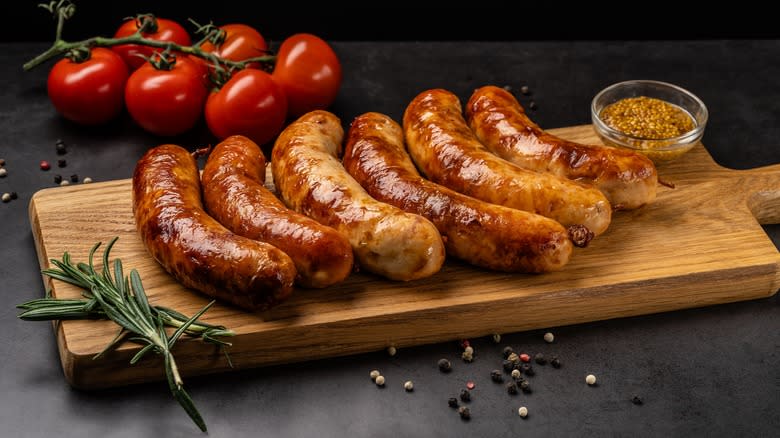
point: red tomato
(240, 42)
(309, 72)
(88, 92)
(167, 30)
(250, 104)
(166, 102)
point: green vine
(65, 9)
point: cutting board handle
(763, 186)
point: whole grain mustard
(647, 118)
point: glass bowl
(658, 150)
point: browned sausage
(484, 234)
(234, 194)
(447, 152)
(311, 180)
(192, 246)
(627, 178)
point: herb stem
(123, 300)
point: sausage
(311, 180)
(483, 234)
(627, 178)
(234, 194)
(192, 246)
(447, 152)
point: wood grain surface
(699, 244)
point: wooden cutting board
(699, 244)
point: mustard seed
(516, 374)
(3, 172)
(409, 386)
(373, 374)
(647, 118)
(87, 180)
(549, 337)
(380, 380)
(391, 350)
(64, 182)
(6, 197)
(590, 379)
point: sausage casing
(192, 246)
(447, 152)
(311, 180)
(483, 234)
(627, 178)
(234, 194)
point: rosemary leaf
(123, 300)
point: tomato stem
(65, 9)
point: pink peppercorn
(45, 165)
(525, 358)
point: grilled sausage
(447, 152)
(192, 246)
(312, 181)
(483, 234)
(234, 194)
(627, 178)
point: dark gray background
(711, 371)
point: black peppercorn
(525, 386)
(445, 366)
(507, 352)
(496, 376)
(637, 400)
(62, 163)
(57, 179)
(508, 365)
(465, 395)
(74, 178)
(464, 413)
(527, 369)
(540, 359)
(555, 362)
(452, 402)
(533, 105)
(61, 149)
(511, 388)
(14, 195)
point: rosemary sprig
(123, 300)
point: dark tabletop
(709, 371)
